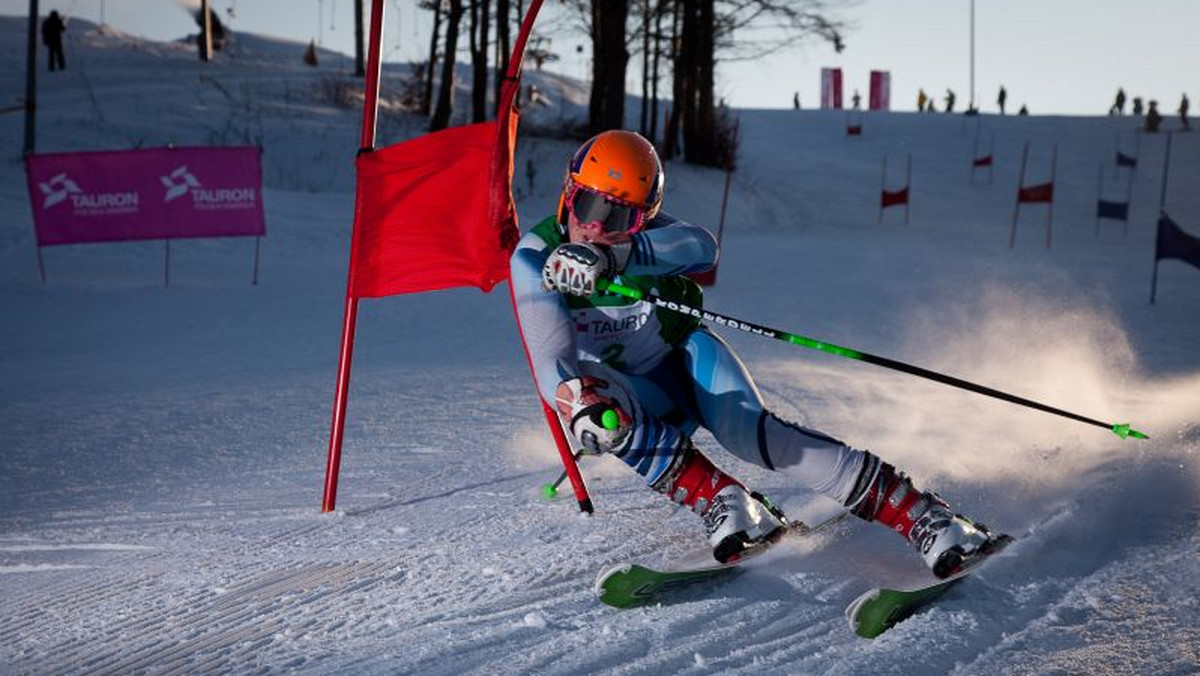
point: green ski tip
(549, 491)
(1125, 431)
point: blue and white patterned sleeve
(546, 323)
(669, 246)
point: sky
(1055, 56)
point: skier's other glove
(575, 268)
(592, 409)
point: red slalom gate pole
(350, 314)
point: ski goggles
(613, 215)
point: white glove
(575, 268)
(596, 417)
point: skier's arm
(669, 246)
(546, 324)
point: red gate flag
(1118, 211)
(436, 212)
(893, 198)
(881, 90)
(1173, 242)
(831, 88)
(1037, 193)
(985, 161)
(154, 193)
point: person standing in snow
(1183, 112)
(52, 36)
(1001, 99)
(950, 98)
(1153, 117)
(636, 381)
(1118, 106)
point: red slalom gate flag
(1173, 242)
(985, 161)
(1037, 193)
(893, 198)
(436, 212)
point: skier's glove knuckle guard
(575, 268)
(584, 403)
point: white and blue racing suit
(678, 374)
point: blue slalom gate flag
(1124, 160)
(1118, 211)
(1173, 242)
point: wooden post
(205, 32)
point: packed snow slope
(162, 447)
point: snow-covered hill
(163, 447)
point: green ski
(631, 584)
(878, 610)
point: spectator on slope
(52, 36)
(1118, 106)
(1001, 99)
(950, 100)
(1153, 118)
(637, 381)
(1183, 113)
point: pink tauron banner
(159, 193)
(881, 90)
(831, 88)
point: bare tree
(445, 102)
(502, 44)
(480, 14)
(427, 96)
(661, 7)
(739, 29)
(606, 108)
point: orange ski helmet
(619, 164)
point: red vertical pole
(560, 438)
(350, 314)
(1012, 238)
(882, 187)
(1050, 207)
(908, 188)
(254, 279)
(709, 277)
(992, 165)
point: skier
(636, 381)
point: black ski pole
(1122, 430)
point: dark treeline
(680, 39)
